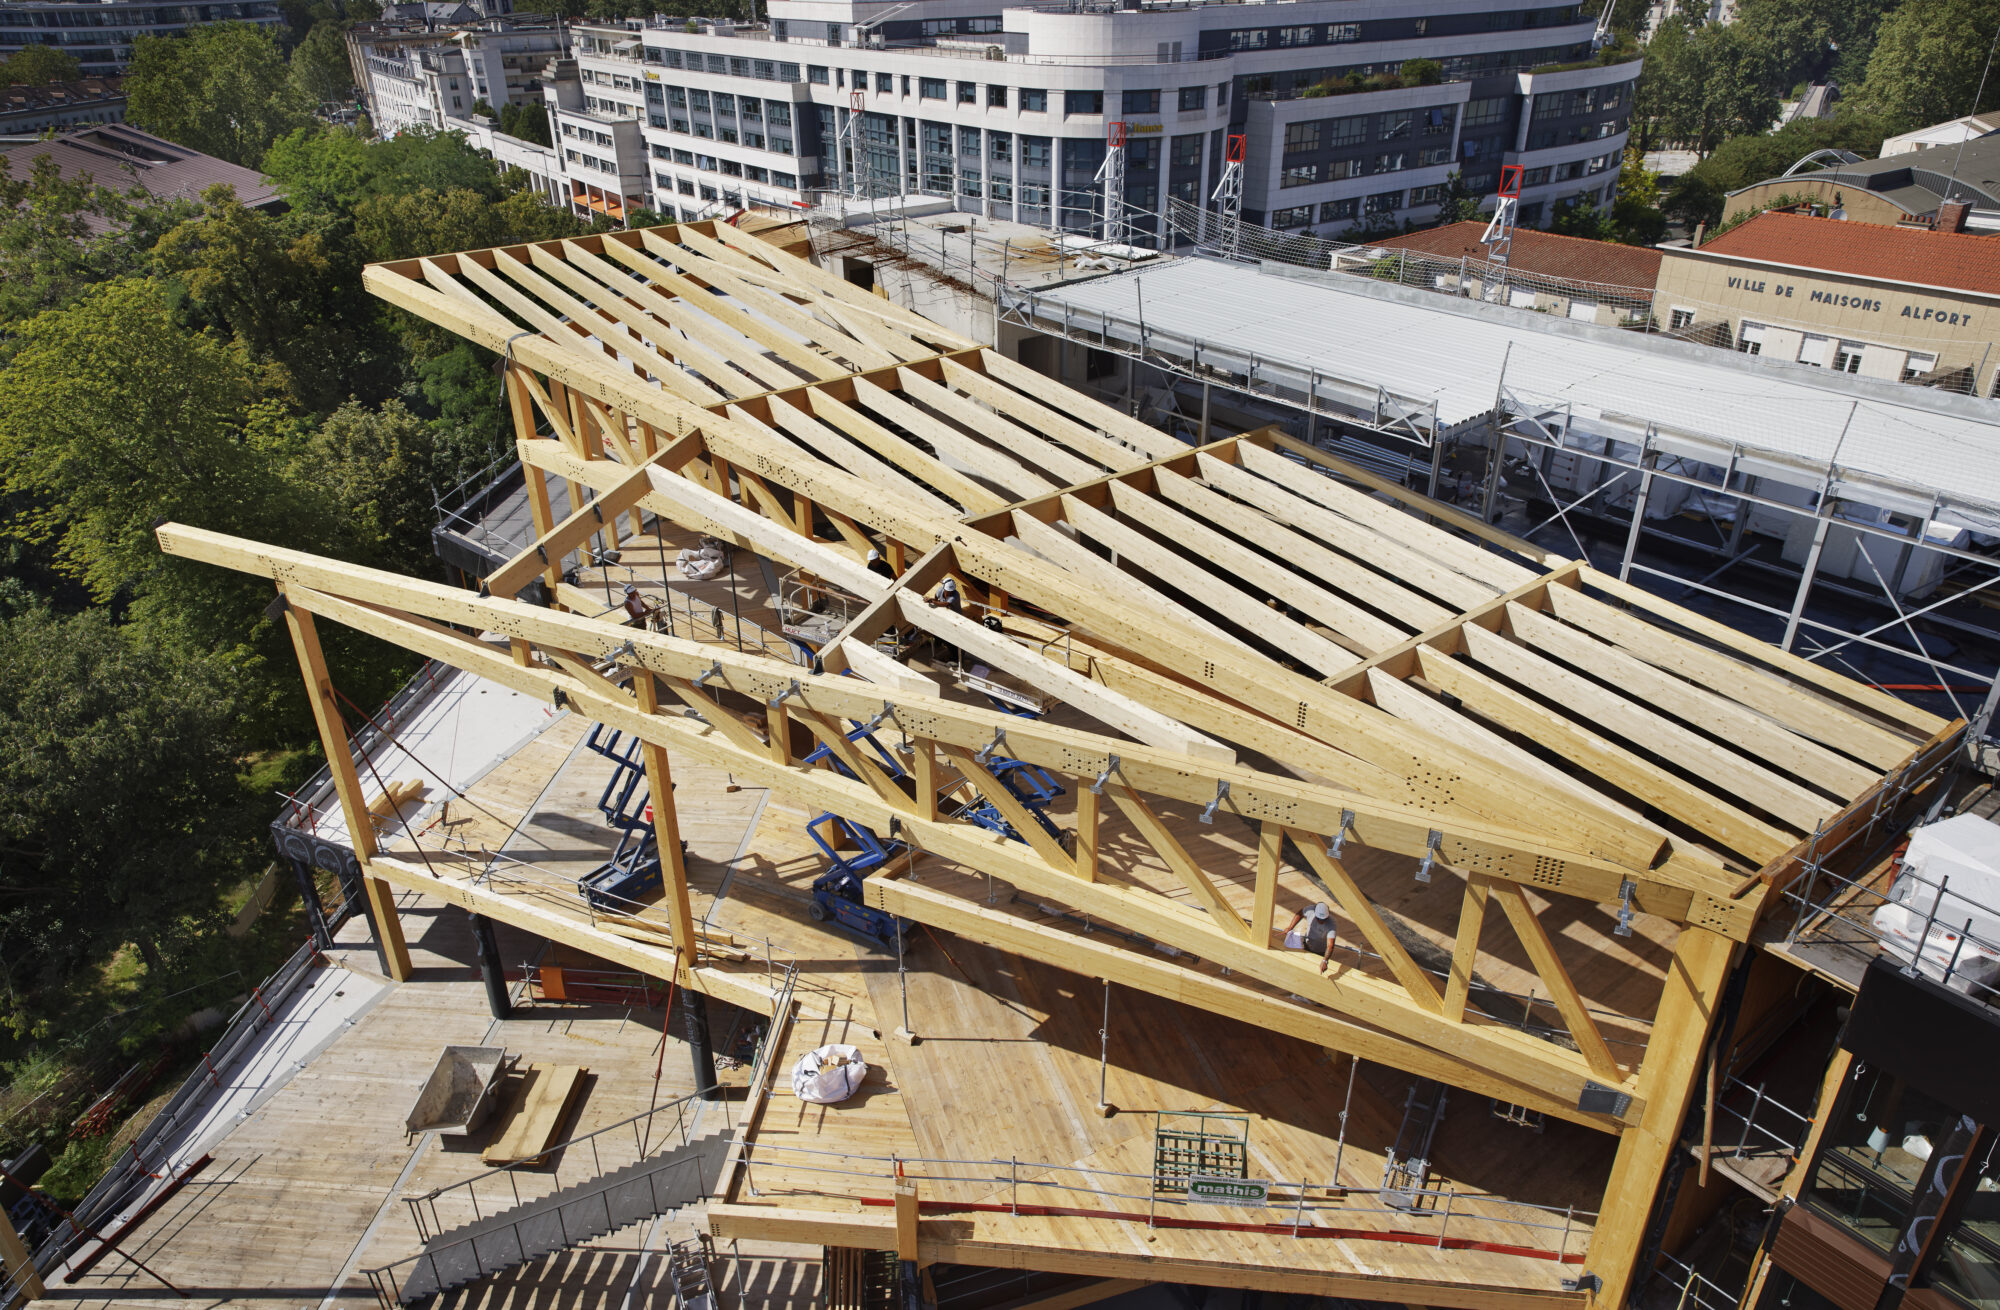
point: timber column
(381, 898)
(694, 1018)
(1674, 1056)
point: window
(833, 33)
(1301, 138)
(1435, 155)
(685, 158)
(729, 136)
(1436, 121)
(1296, 36)
(788, 72)
(1846, 357)
(1221, 94)
(1297, 216)
(930, 88)
(1034, 195)
(1535, 177)
(968, 182)
(1483, 113)
(1257, 84)
(661, 152)
(1142, 102)
(996, 97)
(709, 192)
(1194, 99)
(1250, 38)
(1681, 318)
(781, 144)
(684, 186)
(1392, 162)
(569, 129)
(732, 168)
(1299, 175)
(1082, 102)
(755, 140)
(706, 163)
(885, 83)
(725, 103)
(699, 99)
(755, 174)
(1001, 190)
(968, 93)
(968, 141)
(1426, 195)
(1423, 25)
(1393, 127)
(1917, 365)
(1750, 338)
(1184, 190)
(1347, 131)
(706, 131)
(818, 74)
(1002, 144)
(1340, 33)
(1143, 197)
(655, 94)
(1342, 168)
(787, 180)
(750, 108)
(677, 97)
(1186, 151)
(1034, 152)
(1383, 202)
(778, 113)
(1034, 101)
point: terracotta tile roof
(1962, 260)
(1573, 259)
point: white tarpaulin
(831, 1073)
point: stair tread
(542, 1226)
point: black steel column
(309, 897)
(694, 1020)
(490, 970)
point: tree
(527, 123)
(289, 289)
(320, 69)
(1422, 72)
(1743, 160)
(1636, 218)
(379, 465)
(37, 64)
(223, 89)
(425, 222)
(50, 249)
(1702, 83)
(117, 799)
(1582, 218)
(1928, 61)
(1456, 203)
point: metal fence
(143, 1163)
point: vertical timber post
(667, 832)
(1674, 1055)
(491, 972)
(22, 1276)
(380, 897)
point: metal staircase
(639, 1191)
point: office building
(101, 35)
(421, 76)
(1009, 112)
(30, 110)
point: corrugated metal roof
(1704, 402)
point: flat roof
(1703, 402)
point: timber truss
(1249, 635)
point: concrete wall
(1861, 206)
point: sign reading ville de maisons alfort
(1841, 300)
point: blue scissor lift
(853, 851)
(633, 871)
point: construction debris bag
(829, 1074)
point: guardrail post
(1756, 1104)
(1444, 1221)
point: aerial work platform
(1547, 809)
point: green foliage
(320, 70)
(223, 89)
(1702, 84)
(1422, 72)
(116, 783)
(427, 222)
(49, 249)
(1743, 160)
(527, 123)
(1928, 60)
(1456, 204)
(37, 64)
(1581, 218)
(380, 465)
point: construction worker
(947, 595)
(1311, 929)
(636, 607)
(876, 564)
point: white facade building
(419, 78)
(1007, 111)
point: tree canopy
(224, 89)
(1928, 61)
(38, 64)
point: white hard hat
(631, 590)
(874, 555)
(950, 584)
(1319, 911)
